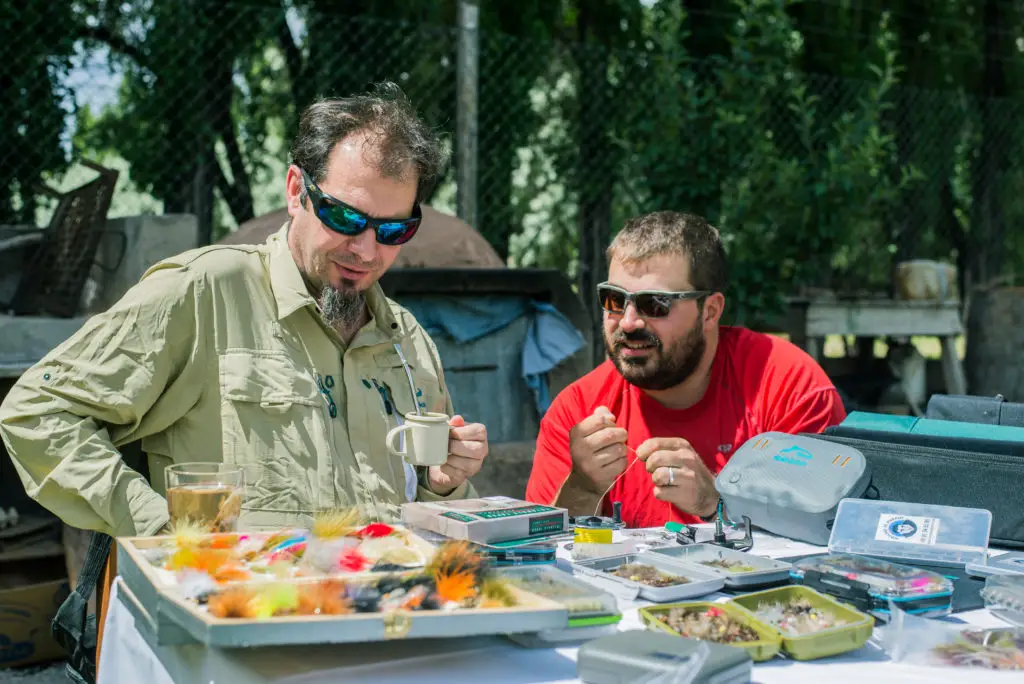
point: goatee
(341, 309)
(663, 368)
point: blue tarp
(550, 338)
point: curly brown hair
(400, 137)
(674, 232)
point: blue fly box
(869, 584)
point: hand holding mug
(467, 449)
(452, 450)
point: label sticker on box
(907, 529)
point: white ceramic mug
(427, 443)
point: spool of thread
(592, 535)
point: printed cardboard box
(33, 584)
(490, 519)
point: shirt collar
(286, 280)
(291, 293)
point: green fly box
(811, 625)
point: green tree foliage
(827, 139)
(737, 135)
(34, 91)
(805, 191)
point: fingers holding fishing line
(679, 475)
(672, 476)
(598, 449)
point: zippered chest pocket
(425, 390)
(390, 400)
(273, 426)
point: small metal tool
(601, 521)
(683, 533)
(744, 543)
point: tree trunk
(594, 177)
(995, 337)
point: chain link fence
(816, 181)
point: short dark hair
(673, 232)
(401, 137)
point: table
(810, 321)
(130, 655)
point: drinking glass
(207, 494)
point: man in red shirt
(654, 424)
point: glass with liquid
(207, 494)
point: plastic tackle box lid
(911, 532)
(1004, 597)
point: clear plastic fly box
(869, 584)
(910, 532)
(738, 569)
(648, 576)
(587, 604)
(1004, 598)
(593, 612)
(1010, 563)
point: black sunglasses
(348, 220)
(648, 303)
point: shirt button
(46, 376)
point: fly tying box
(1011, 563)
(1004, 598)
(869, 584)
(718, 623)
(587, 604)
(486, 520)
(634, 656)
(592, 612)
(911, 533)
(648, 576)
(737, 568)
(848, 630)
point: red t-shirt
(759, 383)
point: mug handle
(390, 439)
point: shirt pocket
(428, 393)
(273, 427)
(391, 377)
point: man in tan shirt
(284, 358)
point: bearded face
(340, 268)
(655, 350)
(651, 363)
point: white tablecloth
(130, 656)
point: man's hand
(598, 448)
(679, 475)
(467, 449)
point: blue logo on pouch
(794, 455)
(901, 527)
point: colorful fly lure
(458, 578)
(797, 617)
(710, 624)
(881, 576)
(646, 574)
(729, 566)
(991, 649)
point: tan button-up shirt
(220, 354)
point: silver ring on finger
(671, 475)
